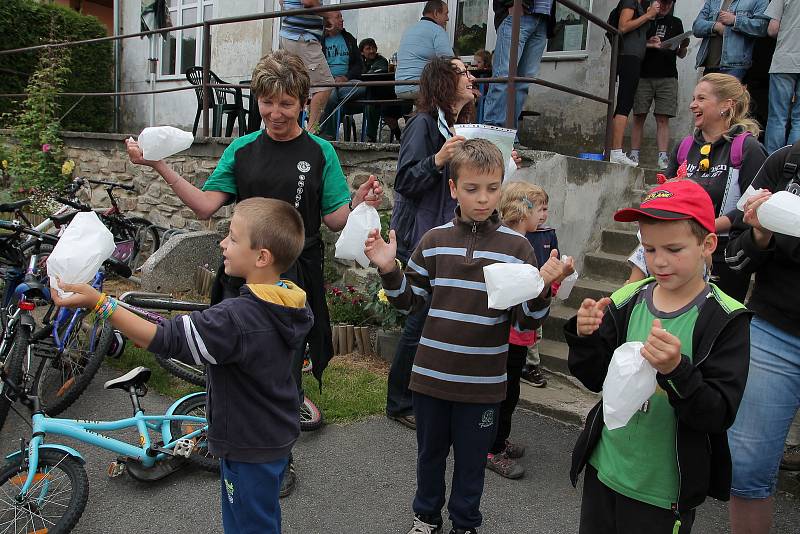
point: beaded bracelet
(100, 302)
(107, 308)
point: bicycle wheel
(55, 501)
(310, 416)
(13, 368)
(194, 374)
(146, 240)
(65, 376)
(195, 406)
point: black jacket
(778, 265)
(247, 344)
(355, 66)
(705, 392)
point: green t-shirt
(640, 460)
(304, 171)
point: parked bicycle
(45, 485)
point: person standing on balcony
(634, 21)
(729, 29)
(784, 75)
(344, 60)
(537, 16)
(303, 170)
(425, 40)
(302, 35)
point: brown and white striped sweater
(464, 346)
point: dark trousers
(250, 496)
(398, 396)
(516, 359)
(628, 70)
(469, 429)
(604, 511)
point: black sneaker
(533, 376)
(288, 482)
(424, 524)
(464, 531)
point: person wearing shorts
(302, 35)
(658, 82)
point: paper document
(675, 42)
(502, 138)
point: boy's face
(672, 253)
(239, 258)
(540, 214)
(476, 192)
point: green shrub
(27, 23)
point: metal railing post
(612, 90)
(206, 70)
(513, 59)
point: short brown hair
(518, 201)
(274, 225)
(479, 154)
(281, 72)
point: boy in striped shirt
(459, 374)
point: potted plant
(389, 320)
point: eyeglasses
(460, 72)
(705, 150)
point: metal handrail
(511, 80)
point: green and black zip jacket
(704, 391)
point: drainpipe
(117, 73)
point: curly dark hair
(438, 87)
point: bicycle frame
(89, 432)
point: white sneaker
(634, 157)
(620, 158)
(421, 527)
(663, 162)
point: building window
(470, 27)
(571, 30)
(183, 49)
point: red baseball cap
(673, 201)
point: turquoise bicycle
(44, 486)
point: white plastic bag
(509, 284)
(350, 245)
(781, 213)
(80, 251)
(159, 142)
(567, 283)
(630, 381)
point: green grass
(350, 393)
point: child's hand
(662, 349)
(379, 252)
(85, 296)
(136, 154)
(517, 159)
(555, 270)
(590, 315)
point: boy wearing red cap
(651, 474)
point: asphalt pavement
(357, 478)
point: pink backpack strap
(737, 149)
(683, 148)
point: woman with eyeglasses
(723, 156)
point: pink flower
(46, 147)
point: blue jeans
(736, 72)
(337, 95)
(782, 112)
(398, 396)
(250, 496)
(771, 399)
(532, 41)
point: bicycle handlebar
(72, 204)
(111, 184)
(16, 226)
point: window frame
(176, 17)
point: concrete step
(553, 327)
(605, 266)
(563, 399)
(587, 288)
(554, 355)
(616, 241)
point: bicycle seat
(14, 206)
(64, 218)
(135, 377)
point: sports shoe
(791, 459)
(406, 420)
(620, 158)
(514, 450)
(504, 466)
(663, 161)
(425, 525)
(533, 376)
(464, 531)
(288, 482)
(633, 156)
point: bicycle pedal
(116, 468)
(184, 447)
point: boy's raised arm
(407, 290)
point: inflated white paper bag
(509, 284)
(781, 213)
(749, 192)
(80, 251)
(350, 245)
(565, 289)
(159, 142)
(630, 381)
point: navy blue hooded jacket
(247, 345)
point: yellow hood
(290, 296)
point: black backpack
(791, 169)
(613, 20)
